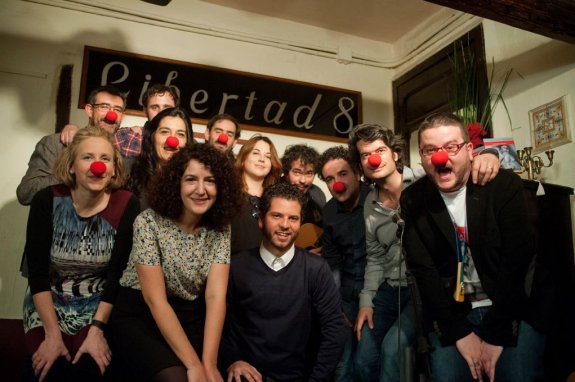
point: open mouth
(444, 172)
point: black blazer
(501, 245)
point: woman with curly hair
(167, 323)
(259, 166)
(78, 239)
(158, 145)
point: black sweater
(287, 324)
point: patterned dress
(79, 260)
(185, 258)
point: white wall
(547, 72)
(547, 69)
(36, 39)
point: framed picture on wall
(507, 152)
(549, 125)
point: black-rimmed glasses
(107, 107)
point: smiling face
(258, 163)
(223, 126)
(198, 189)
(280, 225)
(169, 127)
(103, 103)
(301, 175)
(339, 170)
(386, 167)
(91, 150)
(455, 173)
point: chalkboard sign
(259, 102)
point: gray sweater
(383, 247)
(39, 173)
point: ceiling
(388, 20)
(380, 20)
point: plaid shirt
(128, 142)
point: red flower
(476, 133)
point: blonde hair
(64, 162)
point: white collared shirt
(269, 258)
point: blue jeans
(521, 363)
(378, 355)
(356, 363)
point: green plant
(465, 93)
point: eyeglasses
(451, 149)
(108, 107)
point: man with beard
(284, 318)
(101, 101)
(128, 140)
(470, 247)
(222, 132)
(343, 247)
(379, 154)
(300, 164)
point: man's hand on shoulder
(242, 371)
(67, 134)
(484, 168)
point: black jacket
(501, 245)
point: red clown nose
(223, 138)
(374, 160)
(439, 158)
(339, 187)
(98, 168)
(172, 142)
(111, 117)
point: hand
(484, 168)
(67, 134)
(96, 345)
(137, 129)
(470, 348)
(49, 350)
(241, 369)
(212, 373)
(196, 373)
(365, 314)
(489, 357)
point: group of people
(151, 257)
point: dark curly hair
(281, 190)
(370, 132)
(306, 154)
(164, 195)
(148, 162)
(336, 152)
